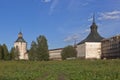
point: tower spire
(94, 18)
(93, 26)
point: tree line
(5, 54)
(37, 52)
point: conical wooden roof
(94, 35)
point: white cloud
(113, 13)
(87, 30)
(77, 4)
(71, 38)
(67, 39)
(90, 19)
(76, 36)
(110, 15)
(46, 1)
(53, 6)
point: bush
(68, 52)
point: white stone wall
(89, 50)
(55, 54)
(22, 46)
(81, 51)
(93, 50)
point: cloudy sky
(62, 21)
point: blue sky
(61, 21)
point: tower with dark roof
(94, 35)
(20, 38)
(21, 44)
(90, 47)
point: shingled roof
(94, 35)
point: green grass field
(60, 70)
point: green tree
(5, 52)
(32, 52)
(42, 48)
(16, 53)
(39, 49)
(1, 53)
(68, 52)
(12, 54)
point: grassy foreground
(60, 70)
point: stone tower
(90, 47)
(21, 44)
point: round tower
(21, 44)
